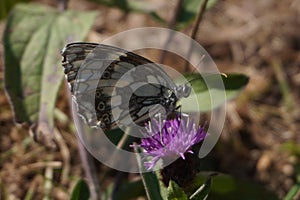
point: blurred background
(260, 142)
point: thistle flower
(170, 139)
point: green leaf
(155, 16)
(129, 5)
(175, 192)
(135, 187)
(189, 11)
(204, 189)
(107, 194)
(211, 90)
(291, 147)
(114, 135)
(163, 188)
(227, 188)
(151, 185)
(33, 38)
(80, 191)
(293, 192)
(7, 5)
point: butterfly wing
(113, 87)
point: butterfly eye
(182, 91)
(186, 90)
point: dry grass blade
(65, 153)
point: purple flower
(170, 139)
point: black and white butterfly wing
(114, 87)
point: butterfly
(113, 87)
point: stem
(89, 171)
(88, 165)
(171, 26)
(194, 32)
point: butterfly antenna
(189, 81)
(160, 128)
(150, 127)
(180, 111)
(187, 121)
(195, 68)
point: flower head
(170, 139)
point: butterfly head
(182, 90)
(174, 95)
(169, 100)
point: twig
(171, 26)
(48, 182)
(62, 5)
(33, 154)
(89, 171)
(39, 165)
(194, 33)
